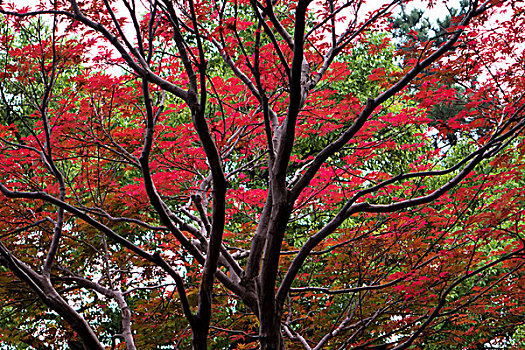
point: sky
(439, 10)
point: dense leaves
(243, 174)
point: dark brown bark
(259, 282)
(49, 296)
(199, 336)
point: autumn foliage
(238, 174)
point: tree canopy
(241, 174)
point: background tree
(259, 174)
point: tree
(245, 179)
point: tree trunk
(199, 338)
(270, 336)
